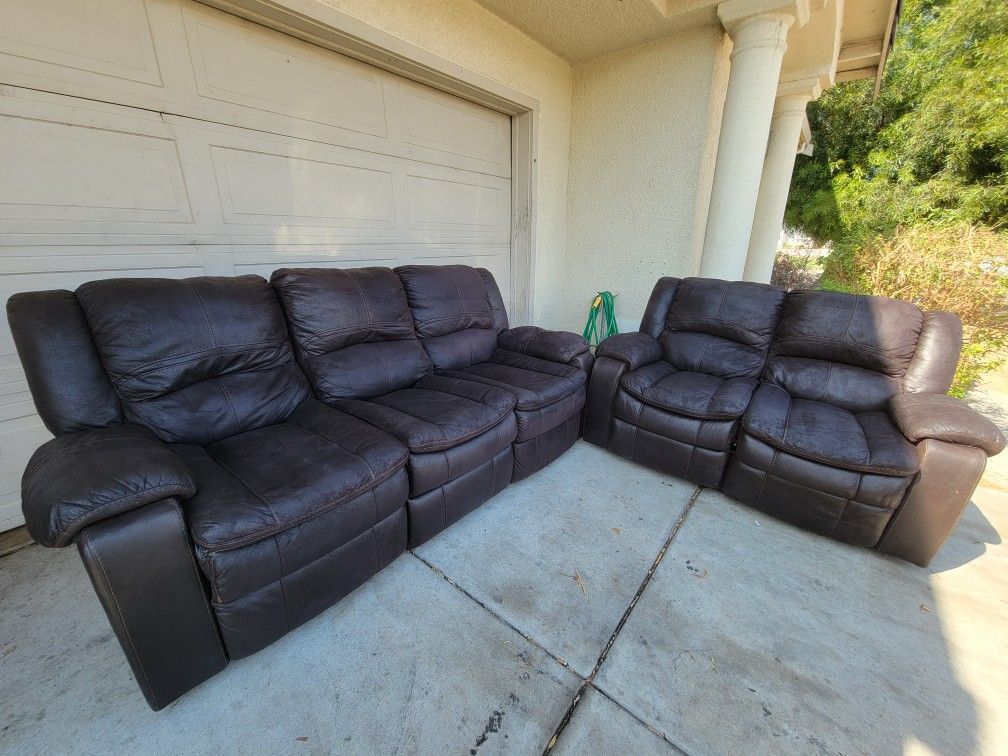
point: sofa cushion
(859, 441)
(848, 350)
(437, 413)
(352, 330)
(453, 314)
(256, 484)
(722, 328)
(698, 395)
(195, 360)
(446, 298)
(534, 382)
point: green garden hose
(604, 307)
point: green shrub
(954, 267)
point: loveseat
(825, 409)
(232, 456)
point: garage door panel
(270, 189)
(103, 38)
(85, 166)
(440, 128)
(451, 204)
(121, 51)
(55, 171)
(242, 63)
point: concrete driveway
(597, 605)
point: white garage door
(165, 138)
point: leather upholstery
(863, 441)
(841, 503)
(558, 346)
(290, 501)
(843, 349)
(700, 395)
(352, 330)
(195, 360)
(721, 327)
(435, 510)
(255, 620)
(66, 378)
(933, 365)
(437, 413)
(453, 315)
(605, 381)
(944, 418)
(141, 566)
(824, 409)
(634, 349)
(677, 405)
(80, 478)
(262, 482)
(656, 312)
(534, 382)
(450, 426)
(949, 473)
(493, 295)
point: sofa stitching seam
(256, 537)
(63, 531)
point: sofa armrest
(80, 478)
(944, 418)
(634, 349)
(555, 346)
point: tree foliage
(931, 149)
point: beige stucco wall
(643, 144)
(469, 35)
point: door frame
(315, 22)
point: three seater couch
(825, 409)
(232, 456)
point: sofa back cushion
(68, 383)
(722, 328)
(195, 360)
(453, 314)
(352, 329)
(848, 350)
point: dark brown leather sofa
(232, 455)
(827, 410)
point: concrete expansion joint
(590, 680)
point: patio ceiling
(845, 36)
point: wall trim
(322, 25)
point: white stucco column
(785, 131)
(758, 29)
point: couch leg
(949, 473)
(143, 569)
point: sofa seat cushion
(865, 442)
(256, 484)
(697, 395)
(436, 413)
(535, 382)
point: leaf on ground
(301, 739)
(616, 531)
(925, 608)
(578, 580)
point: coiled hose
(601, 322)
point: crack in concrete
(586, 682)
(589, 681)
